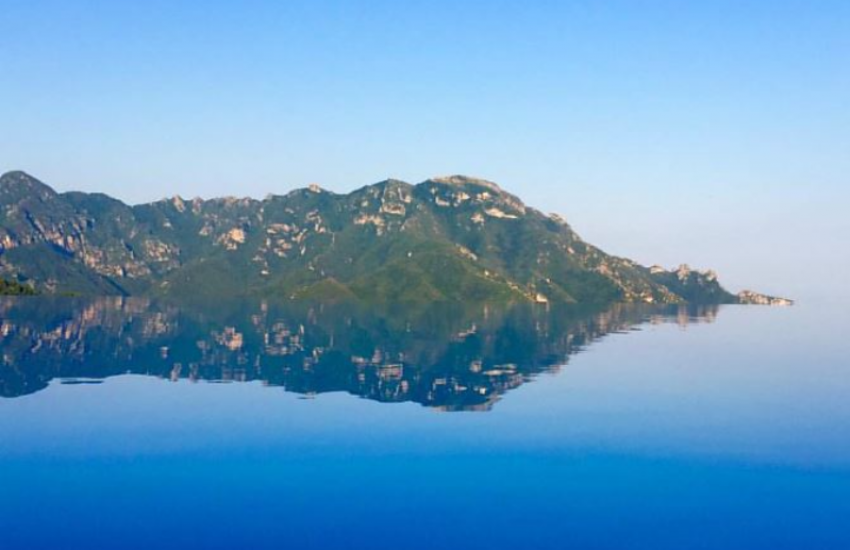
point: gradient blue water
(728, 434)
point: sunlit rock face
(451, 238)
(447, 356)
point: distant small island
(450, 238)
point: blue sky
(715, 133)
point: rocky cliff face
(453, 238)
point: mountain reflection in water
(448, 356)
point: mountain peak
(467, 180)
(393, 182)
(17, 185)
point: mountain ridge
(446, 238)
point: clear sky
(716, 133)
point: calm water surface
(132, 424)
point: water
(131, 424)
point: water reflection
(449, 356)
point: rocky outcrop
(754, 298)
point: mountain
(445, 239)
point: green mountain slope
(446, 239)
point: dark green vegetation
(446, 239)
(14, 288)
